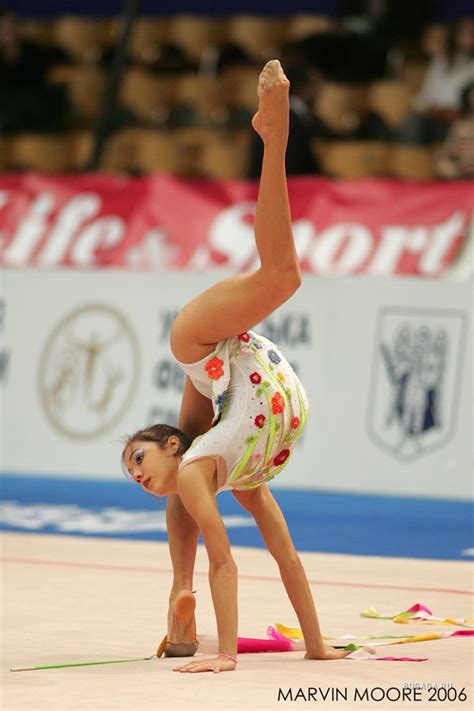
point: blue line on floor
(319, 521)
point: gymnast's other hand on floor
(327, 653)
(216, 665)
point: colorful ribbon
(418, 614)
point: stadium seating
(146, 37)
(336, 101)
(5, 153)
(83, 38)
(354, 159)
(48, 154)
(195, 33)
(86, 89)
(38, 31)
(211, 103)
(300, 26)
(391, 99)
(260, 36)
(145, 94)
(412, 162)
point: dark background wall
(440, 10)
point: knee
(281, 283)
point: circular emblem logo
(88, 371)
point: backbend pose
(243, 409)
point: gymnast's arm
(194, 419)
(196, 489)
(196, 413)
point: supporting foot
(181, 640)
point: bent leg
(272, 525)
(183, 534)
(195, 418)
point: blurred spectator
(343, 55)
(392, 19)
(343, 114)
(28, 102)
(230, 65)
(437, 105)
(355, 125)
(161, 58)
(455, 159)
(300, 159)
(217, 59)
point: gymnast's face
(154, 467)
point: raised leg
(234, 305)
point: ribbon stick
(82, 664)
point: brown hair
(159, 434)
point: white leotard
(260, 410)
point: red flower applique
(278, 404)
(295, 423)
(213, 368)
(255, 378)
(260, 421)
(245, 337)
(281, 457)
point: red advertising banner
(341, 228)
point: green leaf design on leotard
(251, 444)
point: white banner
(84, 359)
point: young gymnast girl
(243, 409)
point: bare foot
(272, 118)
(328, 652)
(270, 74)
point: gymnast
(242, 412)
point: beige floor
(67, 599)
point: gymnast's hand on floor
(216, 665)
(328, 653)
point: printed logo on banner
(88, 371)
(416, 373)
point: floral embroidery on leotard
(254, 342)
(278, 404)
(214, 369)
(220, 399)
(281, 457)
(274, 357)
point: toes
(270, 75)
